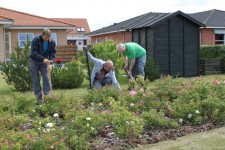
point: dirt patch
(107, 139)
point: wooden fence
(66, 52)
(211, 66)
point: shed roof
(150, 19)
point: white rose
(197, 112)
(180, 120)
(56, 115)
(131, 104)
(189, 116)
(49, 125)
(88, 118)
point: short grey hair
(120, 47)
(46, 31)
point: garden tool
(50, 81)
(130, 76)
(86, 48)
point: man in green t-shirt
(136, 55)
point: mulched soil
(107, 139)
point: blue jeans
(35, 69)
(98, 84)
(140, 66)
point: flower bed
(111, 119)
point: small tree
(16, 71)
(107, 50)
(151, 70)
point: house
(77, 35)
(171, 39)
(214, 32)
(116, 32)
(16, 26)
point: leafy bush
(101, 96)
(69, 76)
(16, 71)
(107, 51)
(151, 70)
(212, 51)
(126, 124)
(154, 119)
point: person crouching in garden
(41, 58)
(102, 73)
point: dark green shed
(173, 40)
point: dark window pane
(219, 42)
(219, 36)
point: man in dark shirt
(41, 58)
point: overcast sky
(102, 13)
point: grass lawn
(213, 139)
(209, 140)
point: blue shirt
(45, 47)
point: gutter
(106, 33)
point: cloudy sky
(102, 13)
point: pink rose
(133, 93)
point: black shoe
(129, 89)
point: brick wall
(1, 43)
(207, 37)
(61, 36)
(123, 37)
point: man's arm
(132, 62)
(126, 62)
(34, 51)
(92, 58)
(114, 81)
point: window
(82, 29)
(8, 50)
(23, 38)
(79, 29)
(54, 37)
(219, 39)
(96, 40)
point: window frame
(26, 33)
(56, 41)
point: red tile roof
(78, 22)
(3, 18)
(28, 20)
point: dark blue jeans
(36, 68)
(140, 66)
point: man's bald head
(108, 65)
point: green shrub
(125, 123)
(151, 70)
(212, 51)
(16, 71)
(107, 51)
(154, 119)
(69, 76)
(102, 96)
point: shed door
(176, 50)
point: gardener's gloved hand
(129, 73)
(46, 61)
